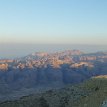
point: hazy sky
(53, 22)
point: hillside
(91, 93)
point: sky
(32, 22)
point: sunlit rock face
(82, 64)
(4, 67)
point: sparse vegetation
(91, 93)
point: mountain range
(41, 71)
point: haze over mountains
(14, 50)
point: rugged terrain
(91, 93)
(42, 71)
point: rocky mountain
(43, 70)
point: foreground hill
(91, 93)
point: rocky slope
(91, 93)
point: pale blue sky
(53, 21)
